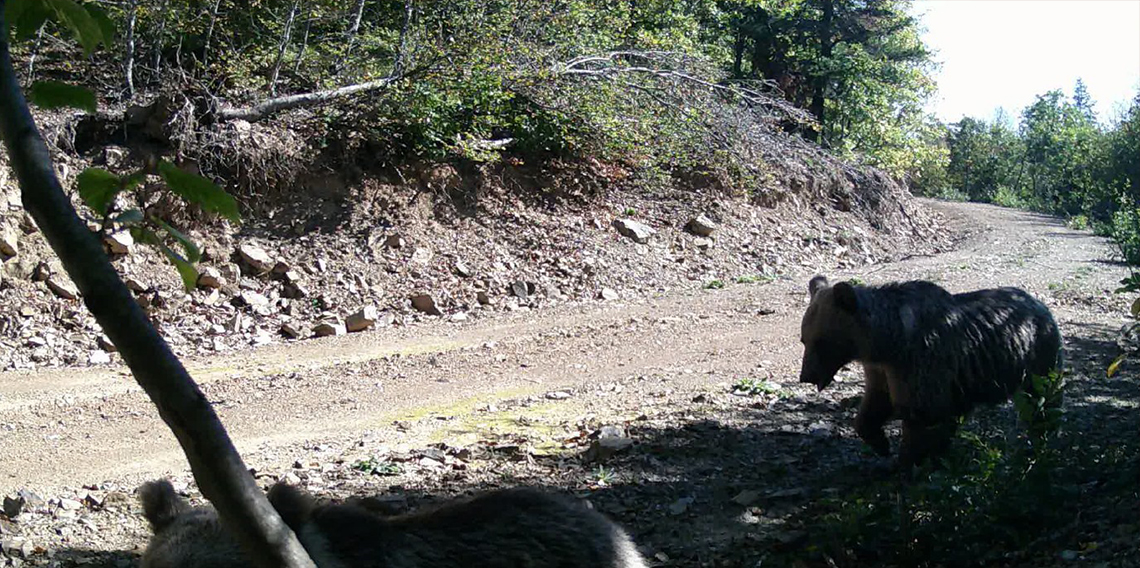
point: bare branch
(668, 66)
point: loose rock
(422, 255)
(329, 327)
(426, 304)
(701, 226)
(9, 244)
(291, 330)
(62, 287)
(610, 440)
(119, 243)
(608, 294)
(210, 277)
(105, 344)
(13, 506)
(639, 232)
(252, 299)
(363, 319)
(255, 258)
(135, 285)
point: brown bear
(512, 528)
(928, 356)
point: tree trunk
(350, 36)
(159, 40)
(761, 45)
(820, 83)
(210, 33)
(401, 51)
(129, 64)
(281, 49)
(31, 75)
(217, 467)
(305, 38)
(738, 53)
(276, 105)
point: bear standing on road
(928, 356)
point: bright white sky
(1001, 53)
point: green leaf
(53, 94)
(192, 252)
(97, 188)
(1136, 308)
(199, 190)
(133, 180)
(26, 17)
(186, 270)
(129, 217)
(105, 23)
(1115, 366)
(74, 16)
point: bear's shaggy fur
(928, 356)
(513, 528)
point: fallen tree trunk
(217, 467)
(273, 106)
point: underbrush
(993, 498)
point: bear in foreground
(928, 356)
(519, 527)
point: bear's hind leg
(922, 440)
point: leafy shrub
(1008, 197)
(1126, 233)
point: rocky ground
(675, 410)
(436, 242)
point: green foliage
(86, 22)
(199, 190)
(52, 94)
(989, 494)
(376, 466)
(1059, 160)
(754, 279)
(1038, 406)
(1130, 333)
(98, 188)
(714, 284)
(751, 386)
(1126, 232)
(603, 476)
(1079, 222)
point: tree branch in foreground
(217, 467)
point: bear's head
(829, 331)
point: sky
(1001, 53)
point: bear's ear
(161, 505)
(816, 284)
(844, 294)
(294, 506)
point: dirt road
(528, 385)
(71, 428)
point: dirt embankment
(472, 239)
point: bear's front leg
(874, 411)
